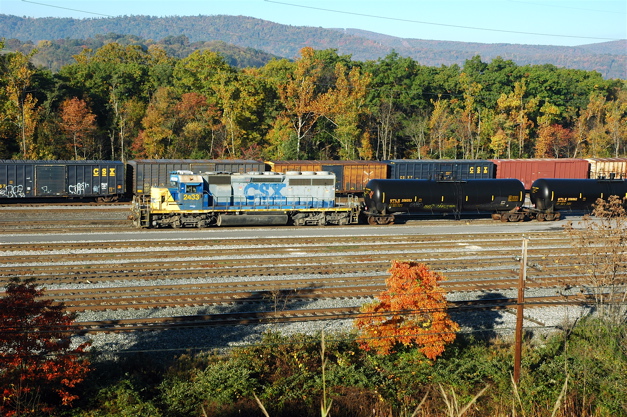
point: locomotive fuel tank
(416, 196)
(548, 194)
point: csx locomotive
(220, 199)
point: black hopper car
(50, 180)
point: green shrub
(221, 382)
(285, 372)
(595, 355)
(120, 400)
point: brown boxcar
(608, 168)
(350, 176)
(529, 170)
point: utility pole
(519, 310)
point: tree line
(124, 102)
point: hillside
(55, 54)
(608, 58)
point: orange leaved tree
(38, 365)
(412, 311)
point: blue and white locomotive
(258, 198)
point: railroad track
(276, 291)
(80, 258)
(79, 204)
(441, 240)
(64, 218)
(273, 277)
(263, 317)
(336, 268)
(47, 225)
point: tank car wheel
(504, 217)
(372, 221)
(496, 216)
(541, 217)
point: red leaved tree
(79, 124)
(412, 311)
(38, 366)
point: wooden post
(520, 310)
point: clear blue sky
(570, 22)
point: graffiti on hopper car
(78, 189)
(12, 191)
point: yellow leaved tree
(411, 311)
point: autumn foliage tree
(38, 365)
(303, 102)
(411, 311)
(21, 107)
(344, 105)
(78, 123)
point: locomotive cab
(186, 192)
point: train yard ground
(139, 286)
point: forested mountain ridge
(56, 54)
(608, 58)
